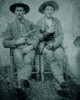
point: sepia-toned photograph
(39, 49)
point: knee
(28, 61)
(47, 52)
(59, 54)
(17, 54)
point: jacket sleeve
(35, 37)
(39, 25)
(42, 34)
(58, 40)
(8, 41)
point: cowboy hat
(25, 6)
(48, 3)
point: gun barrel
(29, 33)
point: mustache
(19, 15)
(49, 13)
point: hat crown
(48, 3)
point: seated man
(51, 45)
(19, 36)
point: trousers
(23, 64)
(55, 60)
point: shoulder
(29, 22)
(9, 25)
(56, 20)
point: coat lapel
(17, 28)
(45, 26)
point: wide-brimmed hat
(25, 6)
(48, 3)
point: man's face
(48, 11)
(19, 12)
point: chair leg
(41, 66)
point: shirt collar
(22, 21)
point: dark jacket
(13, 33)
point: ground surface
(38, 90)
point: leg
(25, 72)
(24, 65)
(55, 60)
(28, 59)
(57, 72)
(18, 58)
(19, 62)
(48, 58)
(59, 63)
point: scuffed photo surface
(69, 15)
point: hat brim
(76, 42)
(25, 6)
(48, 3)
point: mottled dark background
(69, 14)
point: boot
(20, 94)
